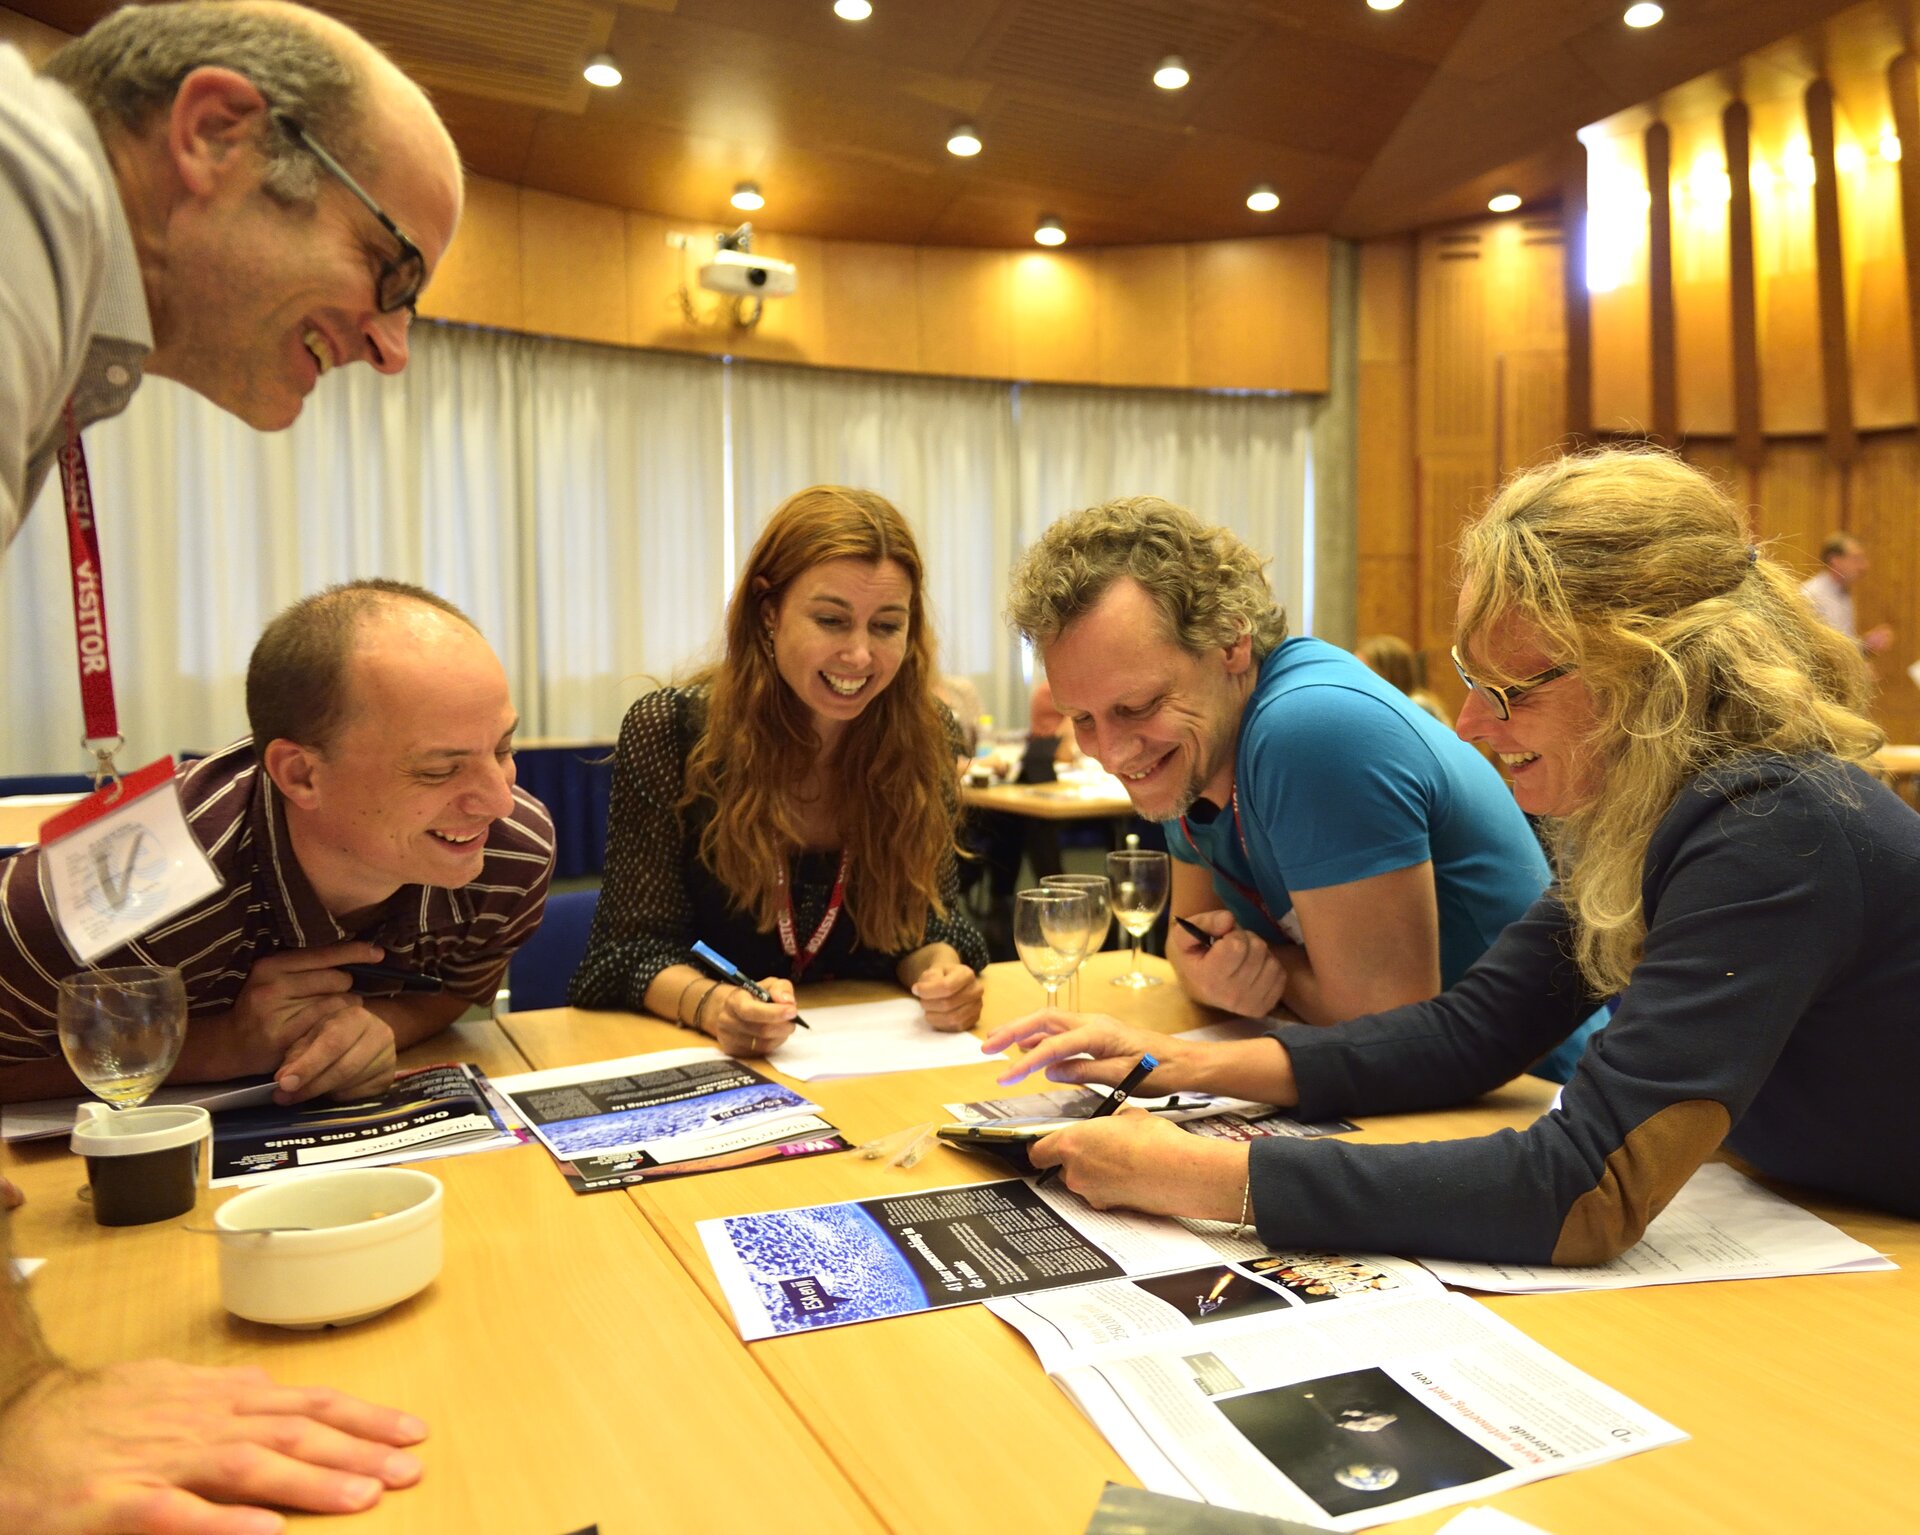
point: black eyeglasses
(1501, 700)
(402, 277)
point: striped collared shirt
(266, 906)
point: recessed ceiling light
(1503, 202)
(1172, 74)
(964, 141)
(747, 198)
(1050, 232)
(1645, 14)
(852, 10)
(1889, 146)
(1383, 5)
(602, 71)
(1263, 199)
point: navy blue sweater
(1773, 1010)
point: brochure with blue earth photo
(612, 1124)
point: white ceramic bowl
(374, 1241)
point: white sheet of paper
(125, 873)
(46, 1118)
(1720, 1225)
(867, 1038)
(25, 1268)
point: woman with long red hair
(795, 805)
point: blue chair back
(540, 969)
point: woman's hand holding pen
(1140, 1161)
(1233, 970)
(1054, 1038)
(741, 1024)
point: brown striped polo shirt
(265, 906)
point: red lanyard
(802, 958)
(1240, 832)
(89, 606)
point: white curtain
(940, 450)
(569, 498)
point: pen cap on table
(143, 1164)
(373, 1238)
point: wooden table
(21, 815)
(577, 1361)
(1063, 801)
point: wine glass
(1050, 928)
(1140, 883)
(1099, 890)
(121, 1029)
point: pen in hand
(1129, 1084)
(1197, 933)
(728, 971)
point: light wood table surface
(1797, 1392)
(21, 815)
(1048, 801)
(570, 1371)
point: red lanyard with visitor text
(799, 957)
(1245, 852)
(103, 736)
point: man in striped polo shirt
(371, 818)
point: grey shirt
(73, 310)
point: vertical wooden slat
(1903, 86)
(1573, 200)
(1736, 130)
(1665, 370)
(1836, 368)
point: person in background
(1390, 657)
(165, 207)
(1343, 850)
(795, 806)
(1729, 872)
(1843, 561)
(962, 699)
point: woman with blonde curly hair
(795, 806)
(1660, 688)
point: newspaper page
(818, 1266)
(1239, 1119)
(432, 1112)
(1721, 1225)
(611, 1124)
(1091, 1322)
(1349, 1416)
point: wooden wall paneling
(1384, 323)
(1141, 304)
(1452, 488)
(478, 280)
(1573, 213)
(1617, 271)
(1787, 292)
(1665, 420)
(1385, 504)
(871, 295)
(966, 312)
(1533, 408)
(655, 271)
(1903, 89)
(1743, 319)
(1718, 457)
(573, 268)
(1454, 360)
(1703, 328)
(1800, 500)
(1884, 514)
(1836, 371)
(1870, 235)
(1257, 313)
(1056, 336)
(1389, 598)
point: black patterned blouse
(659, 895)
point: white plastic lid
(100, 1131)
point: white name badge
(122, 861)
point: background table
(21, 815)
(577, 1362)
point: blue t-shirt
(1340, 778)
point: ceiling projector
(747, 275)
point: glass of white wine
(1099, 890)
(1050, 928)
(1141, 880)
(121, 1029)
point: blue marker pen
(728, 971)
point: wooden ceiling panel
(1423, 30)
(1313, 93)
(1109, 48)
(501, 50)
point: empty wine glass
(1050, 928)
(121, 1029)
(1140, 883)
(1099, 890)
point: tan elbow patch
(1639, 1179)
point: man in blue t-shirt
(1346, 852)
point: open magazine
(435, 1111)
(610, 1124)
(1348, 1414)
(1235, 1119)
